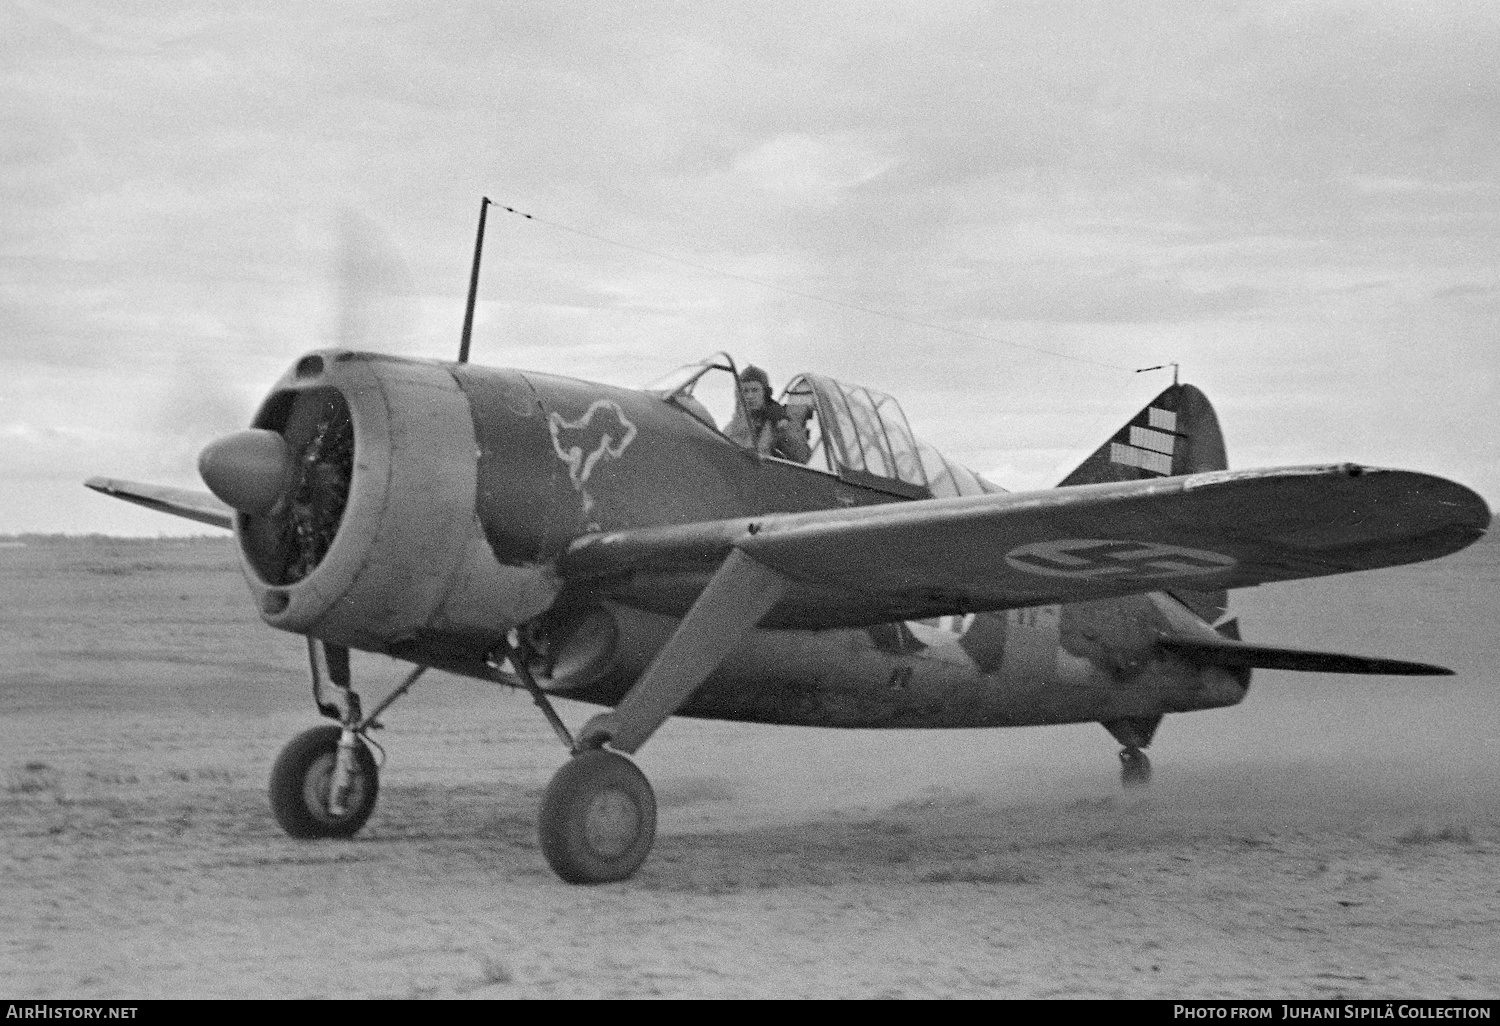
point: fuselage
(467, 484)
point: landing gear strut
(1134, 733)
(598, 815)
(1135, 769)
(325, 781)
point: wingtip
(198, 506)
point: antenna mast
(1161, 366)
(463, 344)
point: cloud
(1294, 200)
(1468, 291)
(802, 170)
(35, 435)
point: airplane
(616, 547)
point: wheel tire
(301, 778)
(598, 818)
(1135, 769)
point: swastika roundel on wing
(1103, 557)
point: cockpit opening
(857, 433)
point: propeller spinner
(250, 470)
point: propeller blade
(375, 290)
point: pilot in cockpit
(770, 429)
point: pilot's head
(755, 388)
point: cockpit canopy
(855, 432)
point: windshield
(683, 378)
(708, 389)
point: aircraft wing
(200, 506)
(912, 560)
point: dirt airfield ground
(1330, 837)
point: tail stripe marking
(1155, 462)
(1145, 438)
(1164, 419)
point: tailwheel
(1135, 768)
(598, 818)
(302, 785)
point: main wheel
(300, 782)
(598, 818)
(1135, 768)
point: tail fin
(1177, 433)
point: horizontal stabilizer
(1240, 655)
(182, 502)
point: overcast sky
(1299, 202)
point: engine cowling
(374, 540)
